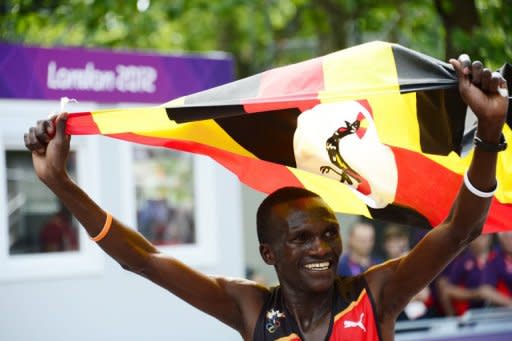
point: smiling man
(299, 236)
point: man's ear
(267, 254)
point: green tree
(264, 33)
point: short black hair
(264, 214)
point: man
(459, 289)
(359, 256)
(396, 241)
(497, 279)
(397, 244)
(299, 236)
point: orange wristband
(104, 230)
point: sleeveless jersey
(353, 316)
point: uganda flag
(377, 130)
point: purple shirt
(498, 273)
(347, 267)
(467, 272)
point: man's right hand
(486, 93)
(49, 145)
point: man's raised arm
(396, 282)
(216, 296)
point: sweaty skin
(306, 233)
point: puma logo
(353, 324)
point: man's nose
(320, 247)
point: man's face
(396, 246)
(306, 245)
(362, 239)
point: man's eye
(331, 233)
(300, 237)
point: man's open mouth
(318, 266)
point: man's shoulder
(250, 297)
(244, 285)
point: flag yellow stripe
(504, 170)
(339, 197)
(348, 73)
(115, 121)
(396, 120)
(154, 122)
(206, 132)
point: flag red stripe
(284, 102)
(261, 175)
(500, 217)
(302, 80)
(431, 200)
(81, 123)
(426, 197)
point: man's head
(396, 241)
(299, 236)
(361, 239)
(264, 216)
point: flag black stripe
(400, 215)
(441, 116)
(417, 71)
(268, 135)
(198, 113)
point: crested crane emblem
(343, 169)
(340, 141)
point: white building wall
(111, 303)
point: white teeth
(317, 266)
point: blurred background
(265, 33)
(57, 285)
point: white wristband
(475, 190)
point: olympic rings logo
(272, 327)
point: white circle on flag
(340, 141)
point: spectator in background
(58, 234)
(358, 258)
(497, 283)
(396, 241)
(460, 289)
(396, 244)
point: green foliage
(265, 33)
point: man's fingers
(486, 80)
(457, 66)
(476, 72)
(466, 63)
(462, 67)
(50, 127)
(42, 131)
(494, 83)
(32, 142)
(60, 123)
(503, 87)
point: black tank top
(352, 317)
